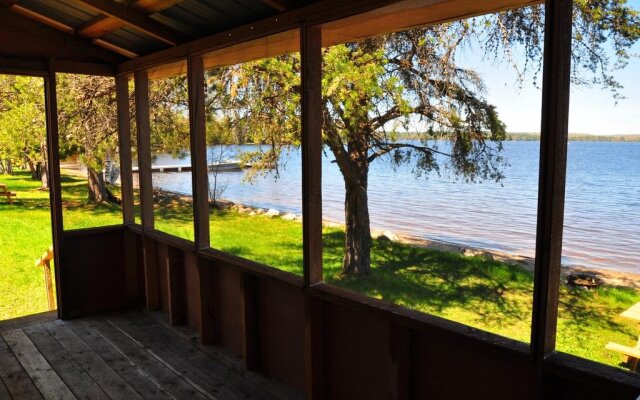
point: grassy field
(476, 291)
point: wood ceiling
(113, 31)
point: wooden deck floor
(119, 356)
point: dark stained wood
(176, 286)
(249, 313)
(551, 186)
(207, 281)
(103, 24)
(198, 133)
(4, 392)
(399, 362)
(55, 189)
(66, 367)
(314, 348)
(16, 380)
(131, 265)
(144, 148)
(93, 274)
(124, 148)
(40, 18)
(57, 38)
(281, 328)
(135, 19)
(85, 68)
(151, 279)
(192, 299)
(311, 56)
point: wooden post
(151, 281)
(176, 286)
(124, 143)
(250, 334)
(144, 149)
(311, 56)
(200, 178)
(551, 186)
(55, 190)
(49, 284)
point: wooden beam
(103, 24)
(133, 18)
(317, 13)
(75, 67)
(198, 135)
(42, 19)
(124, 143)
(144, 149)
(151, 278)
(207, 276)
(278, 5)
(551, 186)
(314, 348)
(54, 36)
(311, 56)
(23, 66)
(116, 49)
(55, 188)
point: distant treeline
(577, 137)
(528, 136)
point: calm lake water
(602, 216)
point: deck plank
(34, 364)
(16, 380)
(4, 392)
(180, 355)
(169, 380)
(143, 382)
(112, 383)
(80, 383)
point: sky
(592, 110)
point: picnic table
(631, 354)
(4, 191)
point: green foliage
(22, 120)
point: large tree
(373, 87)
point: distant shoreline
(533, 136)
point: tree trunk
(97, 189)
(43, 171)
(357, 256)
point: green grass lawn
(476, 291)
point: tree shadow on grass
(495, 294)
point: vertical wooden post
(124, 143)
(311, 58)
(49, 284)
(144, 148)
(55, 190)
(176, 286)
(551, 186)
(151, 279)
(249, 312)
(207, 275)
(200, 179)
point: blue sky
(593, 110)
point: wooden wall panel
(356, 354)
(94, 275)
(192, 291)
(281, 322)
(228, 323)
(163, 271)
(443, 366)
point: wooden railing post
(55, 189)
(124, 143)
(311, 57)
(551, 186)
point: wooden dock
(220, 167)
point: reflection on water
(602, 217)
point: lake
(602, 214)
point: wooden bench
(4, 191)
(631, 354)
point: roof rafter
(56, 36)
(105, 24)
